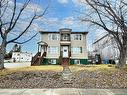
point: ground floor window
(76, 50)
(52, 61)
(76, 61)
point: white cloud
(34, 7)
(71, 22)
(79, 2)
(63, 1)
(68, 21)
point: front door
(65, 51)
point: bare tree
(8, 24)
(110, 15)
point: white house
(106, 47)
(21, 57)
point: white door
(65, 51)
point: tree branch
(23, 31)
(12, 25)
(26, 40)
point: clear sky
(61, 14)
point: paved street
(63, 91)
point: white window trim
(76, 50)
(53, 49)
(52, 61)
(50, 36)
(76, 61)
(77, 37)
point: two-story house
(106, 47)
(63, 47)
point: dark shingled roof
(64, 30)
(72, 32)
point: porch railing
(35, 58)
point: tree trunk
(2, 54)
(122, 58)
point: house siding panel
(73, 43)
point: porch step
(65, 61)
(38, 59)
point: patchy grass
(56, 68)
(50, 76)
(102, 67)
(125, 68)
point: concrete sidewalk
(63, 91)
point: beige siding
(80, 43)
(74, 43)
(44, 37)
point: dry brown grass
(102, 67)
(56, 68)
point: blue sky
(61, 14)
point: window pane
(53, 37)
(77, 37)
(76, 50)
(77, 61)
(52, 49)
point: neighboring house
(63, 47)
(106, 47)
(21, 57)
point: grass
(101, 67)
(32, 68)
(58, 68)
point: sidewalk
(63, 91)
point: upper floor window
(65, 37)
(53, 36)
(76, 36)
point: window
(77, 61)
(76, 37)
(52, 49)
(65, 37)
(52, 61)
(76, 50)
(53, 36)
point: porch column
(38, 47)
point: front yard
(50, 76)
